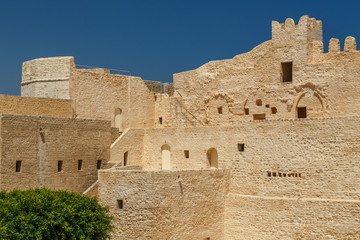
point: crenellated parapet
(307, 29)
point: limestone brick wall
(252, 83)
(165, 204)
(98, 95)
(41, 142)
(256, 218)
(36, 106)
(47, 77)
(130, 143)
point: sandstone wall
(98, 95)
(40, 142)
(251, 83)
(165, 205)
(47, 77)
(36, 106)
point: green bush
(46, 214)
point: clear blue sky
(151, 38)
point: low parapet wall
(165, 204)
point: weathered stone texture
(40, 142)
(165, 204)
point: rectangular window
(126, 158)
(120, 203)
(241, 147)
(18, 166)
(60, 166)
(160, 120)
(186, 153)
(79, 165)
(246, 111)
(220, 110)
(286, 73)
(301, 112)
(98, 164)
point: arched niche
(309, 105)
(118, 118)
(212, 157)
(165, 157)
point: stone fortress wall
(261, 146)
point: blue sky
(151, 38)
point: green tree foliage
(46, 214)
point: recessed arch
(212, 157)
(118, 118)
(165, 157)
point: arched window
(118, 118)
(212, 157)
(165, 157)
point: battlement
(349, 45)
(307, 29)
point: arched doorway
(118, 118)
(165, 157)
(212, 157)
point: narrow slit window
(246, 111)
(186, 153)
(98, 164)
(126, 158)
(160, 120)
(241, 147)
(287, 71)
(120, 203)
(18, 166)
(60, 166)
(79, 165)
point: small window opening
(120, 203)
(267, 105)
(246, 111)
(273, 110)
(186, 153)
(269, 174)
(79, 165)
(60, 166)
(258, 102)
(286, 71)
(206, 238)
(241, 147)
(220, 110)
(18, 166)
(259, 116)
(160, 120)
(274, 174)
(301, 112)
(126, 157)
(98, 164)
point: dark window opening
(259, 116)
(186, 153)
(18, 166)
(301, 112)
(160, 120)
(79, 165)
(273, 110)
(286, 71)
(220, 110)
(258, 102)
(274, 174)
(120, 203)
(267, 105)
(126, 157)
(241, 147)
(246, 111)
(60, 166)
(98, 164)
(269, 174)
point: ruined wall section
(252, 86)
(99, 95)
(41, 142)
(165, 205)
(36, 106)
(47, 77)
